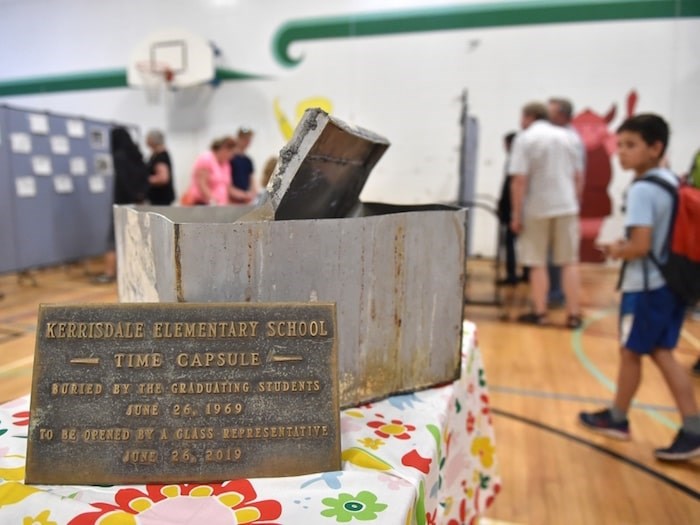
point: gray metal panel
(70, 219)
(96, 207)
(397, 280)
(52, 227)
(8, 252)
(33, 216)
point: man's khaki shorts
(560, 234)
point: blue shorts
(650, 320)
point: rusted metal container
(396, 273)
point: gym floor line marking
(571, 397)
(577, 345)
(615, 455)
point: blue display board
(56, 184)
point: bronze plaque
(177, 392)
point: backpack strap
(673, 192)
(655, 179)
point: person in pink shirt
(211, 174)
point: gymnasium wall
(404, 79)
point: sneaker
(684, 447)
(602, 422)
(696, 368)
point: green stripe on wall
(115, 78)
(474, 16)
(230, 74)
(94, 80)
(394, 22)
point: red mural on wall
(600, 143)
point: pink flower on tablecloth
(22, 418)
(41, 519)
(228, 503)
(395, 428)
(350, 424)
(19, 402)
(394, 482)
(484, 450)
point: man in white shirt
(546, 191)
(560, 112)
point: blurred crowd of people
(222, 175)
(539, 210)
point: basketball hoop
(154, 76)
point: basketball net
(155, 76)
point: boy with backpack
(651, 314)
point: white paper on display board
(96, 184)
(59, 145)
(25, 187)
(21, 142)
(63, 184)
(75, 128)
(38, 123)
(98, 138)
(41, 164)
(103, 164)
(78, 166)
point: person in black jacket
(130, 187)
(161, 191)
(504, 215)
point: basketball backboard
(173, 57)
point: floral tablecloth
(423, 458)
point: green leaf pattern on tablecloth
(363, 507)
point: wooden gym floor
(553, 471)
